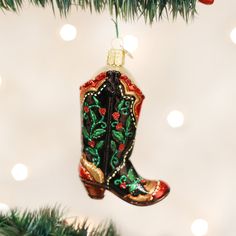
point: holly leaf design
(132, 187)
(128, 123)
(118, 135)
(131, 175)
(98, 132)
(113, 146)
(121, 104)
(93, 116)
(96, 100)
(123, 178)
(85, 133)
(117, 182)
(129, 134)
(99, 144)
(91, 151)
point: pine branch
(48, 222)
(150, 10)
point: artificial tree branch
(150, 10)
(48, 222)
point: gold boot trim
(139, 198)
(150, 186)
(94, 171)
(157, 188)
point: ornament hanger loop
(117, 43)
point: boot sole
(96, 191)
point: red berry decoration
(86, 109)
(119, 126)
(207, 2)
(123, 185)
(121, 147)
(102, 111)
(143, 181)
(116, 115)
(91, 143)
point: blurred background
(186, 134)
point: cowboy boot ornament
(111, 105)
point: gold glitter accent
(116, 57)
(140, 197)
(94, 171)
(150, 185)
(157, 188)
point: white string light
(19, 172)
(233, 35)
(199, 227)
(4, 208)
(175, 119)
(130, 43)
(68, 32)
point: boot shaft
(111, 106)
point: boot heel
(94, 191)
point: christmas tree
(150, 10)
(48, 222)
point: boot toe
(161, 191)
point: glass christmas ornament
(110, 110)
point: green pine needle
(48, 222)
(150, 10)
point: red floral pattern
(121, 147)
(116, 115)
(91, 143)
(86, 109)
(102, 111)
(123, 185)
(119, 126)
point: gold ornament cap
(116, 57)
